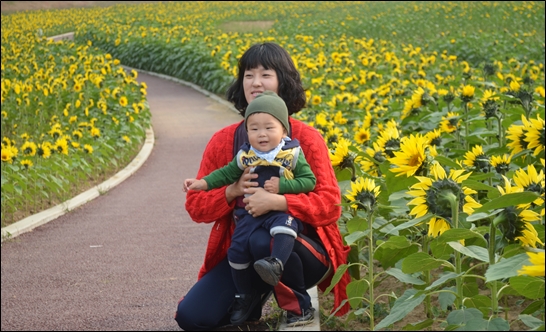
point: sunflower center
(415, 160)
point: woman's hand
(237, 189)
(258, 201)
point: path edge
(29, 223)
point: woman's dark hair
(270, 56)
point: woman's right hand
(236, 189)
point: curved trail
(123, 260)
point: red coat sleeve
(209, 206)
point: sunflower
(501, 163)
(535, 135)
(88, 148)
(515, 221)
(450, 123)
(342, 156)
(332, 135)
(61, 146)
(537, 267)
(29, 148)
(316, 100)
(412, 157)
(477, 159)
(531, 181)
(26, 163)
(434, 137)
(44, 150)
(389, 140)
(436, 226)
(363, 194)
(431, 194)
(95, 132)
(123, 101)
(467, 93)
(362, 135)
(6, 154)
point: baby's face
(265, 132)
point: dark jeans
(207, 304)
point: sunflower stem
(466, 125)
(454, 201)
(370, 268)
(428, 312)
(492, 245)
(499, 120)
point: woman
(318, 251)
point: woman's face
(257, 80)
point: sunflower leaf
(508, 200)
(506, 268)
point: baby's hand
(194, 184)
(272, 185)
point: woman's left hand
(259, 201)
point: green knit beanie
(269, 102)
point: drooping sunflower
(450, 123)
(537, 267)
(389, 140)
(436, 226)
(531, 181)
(501, 163)
(343, 157)
(88, 148)
(368, 165)
(412, 157)
(431, 194)
(535, 135)
(467, 93)
(477, 159)
(26, 163)
(517, 134)
(363, 194)
(515, 221)
(434, 137)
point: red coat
(319, 208)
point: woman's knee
(186, 318)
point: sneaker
(269, 269)
(299, 320)
(242, 307)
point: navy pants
(206, 305)
(238, 252)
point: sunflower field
(433, 113)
